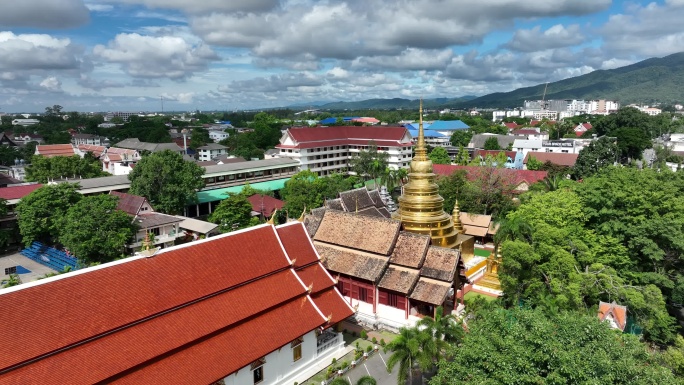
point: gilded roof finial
(456, 217)
(272, 220)
(301, 217)
(421, 150)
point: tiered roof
(374, 235)
(155, 320)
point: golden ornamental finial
(301, 217)
(272, 220)
(421, 150)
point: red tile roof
(332, 305)
(535, 122)
(618, 312)
(308, 137)
(128, 203)
(317, 277)
(525, 132)
(265, 204)
(516, 177)
(511, 125)
(187, 307)
(50, 150)
(557, 158)
(297, 243)
(18, 192)
(96, 150)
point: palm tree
(445, 329)
(412, 350)
(513, 227)
(365, 380)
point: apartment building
(328, 150)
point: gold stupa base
(490, 281)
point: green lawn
(472, 294)
(482, 253)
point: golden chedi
(421, 208)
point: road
(374, 366)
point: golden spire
(421, 208)
(301, 217)
(456, 217)
(272, 220)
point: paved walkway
(374, 366)
(37, 270)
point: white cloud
(156, 57)
(557, 36)
(51, 84)
(183, 97)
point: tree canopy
(94, 230)
(492, 144)
(598, 154)
(370, 163)
(439, 155)
(42, 169)
(39, 214)
(167, 181)
(306, 190)
(233, 213)
(523, 346)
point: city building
(328, 150)
(90, 139)
(432, 138)
(567, 146)
(447, 127)
(218, 136)
(247, 307)
(211, 151)
(123, 115)
(25, 122)
(531, 133)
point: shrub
(369, 349)
(334, 361)
(345, 365)
(364, 335)
(382, 342)
(358, 354)
(357, 346)
(375, 340)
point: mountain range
(648, 81)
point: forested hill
(398, 103)
(656, 79)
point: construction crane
(543, 106)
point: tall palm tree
(412, 350)
(445, 329)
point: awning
(220, 194)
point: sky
(128, 55)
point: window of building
(297, 349)
(258, 370)
(392, 299)
(363, 294)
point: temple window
(363, 294)
(297, 349)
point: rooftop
(375, 235)
(440, 264)
(410, 249)
(557, 158)
(18, 192)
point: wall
(279, 367)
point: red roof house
(511, 125)
(190, 314)
(557, 158)
(50, 150)
(14, 193)
(614, 314)
(264, 204)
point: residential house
(6, 140)
(264, 206)
(329, 150)
(51, 150)
(218, 136)
(198, 313)
(211, 151)
(582, 128)
(163, 227)
(24, 138)
(567, 146)
(614, 314)
(119, 161)
(531, 133)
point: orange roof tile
(618, 312)
(315, 276)
(297, 243)
(50, 150)
(332, 304)
(18, 192)
(79, 306)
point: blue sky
(110, 55)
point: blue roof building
(449, 125)
(328, 121)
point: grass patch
(472, 295)
(350, 340)
(482, 253)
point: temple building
(247, 307)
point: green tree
(523, 346)
(445, 330)
(167, 181)
(43, 169)
(598, 154)
(533, 163)
(370, 163)
(94, 230)
(439, 155)
(200, 137)
(303, 190)
(413, 351)
(12, 280)
(631, 142)
(39, 214)
(463, 157)
(365, 380)
(233, 213)
(492, 144)
(461, 138)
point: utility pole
(162, 103)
